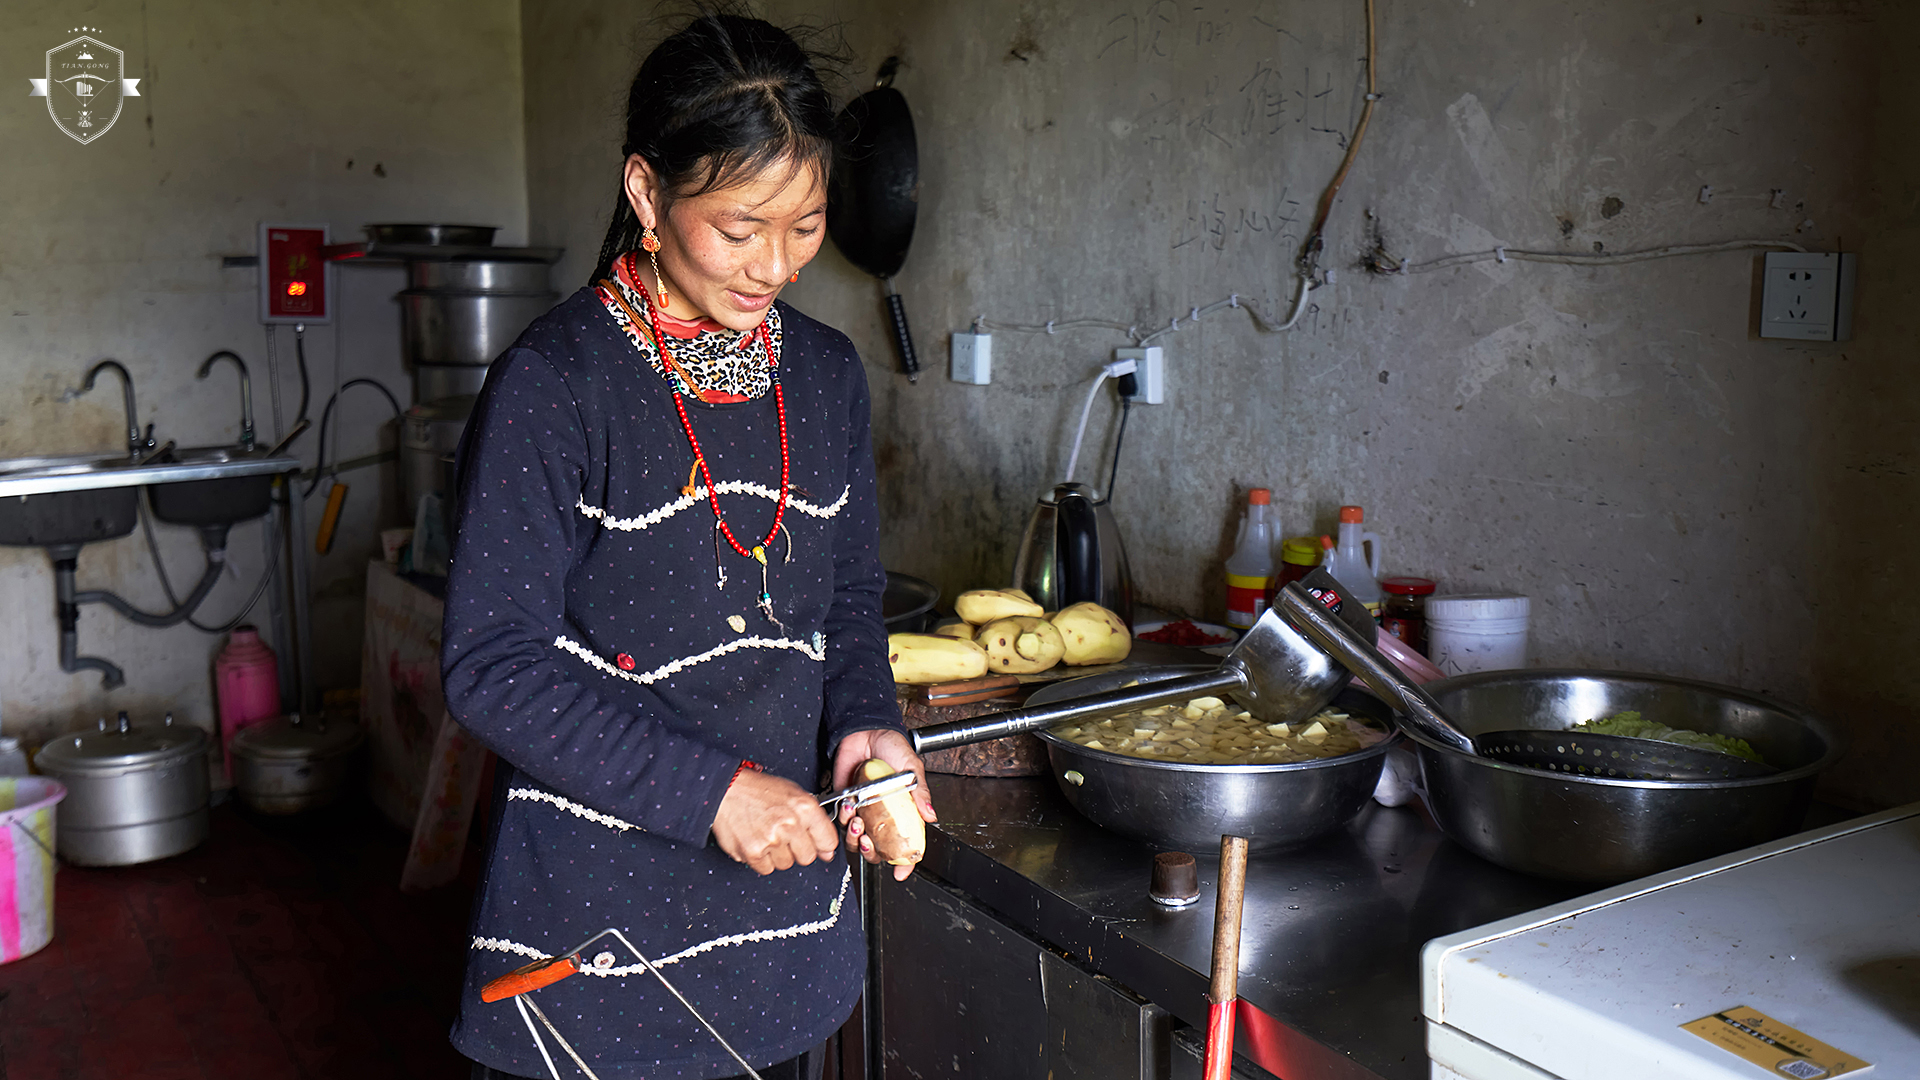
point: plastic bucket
(26, 863)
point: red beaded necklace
(758, 552)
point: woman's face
(728, 253)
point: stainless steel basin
(82, 498)
(52, 516)
(221, 499)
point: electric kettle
(1072, 553)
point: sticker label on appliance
(1756, 1037)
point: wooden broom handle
(1226, 920)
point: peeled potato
(899, 833)
(982, 606)
(963, 631)
(931, 658)
(1021, 645)
(1093, 635)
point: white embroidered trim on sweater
(724, 487)
(571, 807)
(815, 649)
(797, 930)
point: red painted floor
(280, 948)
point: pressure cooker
(134, 793)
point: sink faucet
(135, 443)
(246, 393)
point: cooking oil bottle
(1250, 566)
(1351, 564)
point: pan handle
(1227, 677)
(902, 337)
(1422, 713)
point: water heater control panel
(294, 274)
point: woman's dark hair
(714, 104)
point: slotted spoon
(1614, 757)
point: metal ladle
(1614, 757)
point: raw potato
(931, 658)
(1021, 646)
(1210, 731)
(963, 631)
(899, 833)
(982, 606)
(1093, 635)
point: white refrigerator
(1798, 959)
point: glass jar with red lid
(1405, 613)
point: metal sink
(221, 499)
(84, 498)
(59, 514)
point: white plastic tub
(1477, 632)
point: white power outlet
(1807, 297)
(1151, 372)
(971, 360)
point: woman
(663, 609)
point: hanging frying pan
(875, 194)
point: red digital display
(293, 274)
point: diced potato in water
(1208, 731)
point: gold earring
(794, 278)
(650, 243)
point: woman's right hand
(771, 823)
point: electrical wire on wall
(1307, 270)
(1309, 275)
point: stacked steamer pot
(465, 303)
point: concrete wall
(341, 113)
(1675, 494)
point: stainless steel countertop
(88, 472)
(1331, 933)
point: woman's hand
(771, 824)
(894, 749)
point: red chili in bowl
(1182, 632)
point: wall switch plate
(1151, 372)
(1807, 296)
(293, 275)
(971, 361)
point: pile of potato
(1210, 731)
(1006, 633)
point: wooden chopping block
(1015, 755)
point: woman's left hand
(894, 749)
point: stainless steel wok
(1584, 828)
(1175, 805)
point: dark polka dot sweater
(611, 648)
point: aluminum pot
(464, 235)
(525, 276)
(1174, 805)
(134, 794)
(444, 326)
(286, 764)
(1580, 828)
(429, 436)
(432, 382)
